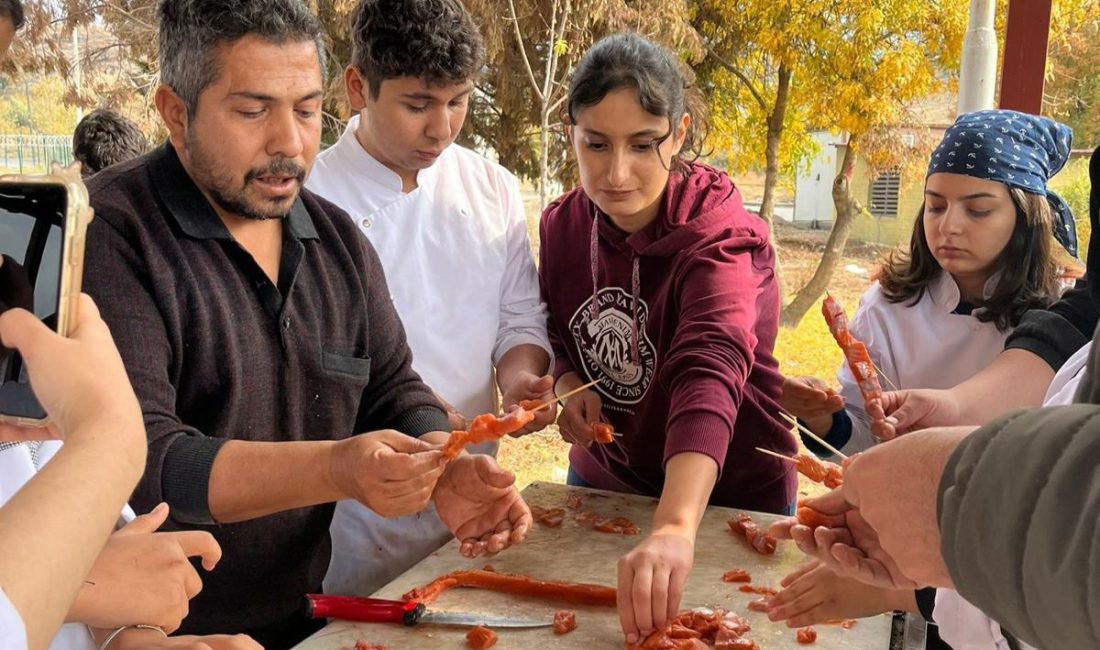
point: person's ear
(173, 111)
(681, 134)
(356, 87)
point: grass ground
(805, 350)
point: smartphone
(43, 220)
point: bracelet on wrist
(118, 631)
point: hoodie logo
(604, 345)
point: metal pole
(978, 75)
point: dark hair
(190, 32)
(13, 11)
(1028, 268)
(434, 40)
(629, 60)
(104, 138)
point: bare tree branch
(523, 48)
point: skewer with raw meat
(488, 427)
(855, 352)
(828, 474)
(485, 428)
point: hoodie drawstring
(635, 287)
(594, 258)
(635, 295)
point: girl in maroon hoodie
(661, 286)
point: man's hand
(527, 386)
(651, 582)
(479, 503)
(812, 401)
(883, 526)
(391, 473)
(849, 547)
(142, 576)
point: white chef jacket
(920, 346)
(460, 271)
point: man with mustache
(257, 328)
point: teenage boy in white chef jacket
(450, 229)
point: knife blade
(377, 610)
(470, 619)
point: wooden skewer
(813, 436)
(777, 455)
(569, 394)
(883, 375)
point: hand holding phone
(42, 224)
(80, 381)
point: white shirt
(965, 627)
(1064, 385)
(16, 468)
(460, 271)
(918, 346)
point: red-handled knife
(376, 610)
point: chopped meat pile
(698, 629)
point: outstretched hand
(479, 503)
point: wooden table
(578, 554)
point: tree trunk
(771, 153)
(771, 173)
(847, 208)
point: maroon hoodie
(681, 337)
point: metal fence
(33, 153)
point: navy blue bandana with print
(1016, 149)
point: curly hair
(434, 40)
(1029, 269)
(104, 138)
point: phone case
(78, 214)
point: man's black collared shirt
(217, 352)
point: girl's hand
(651, 582)
(814, 594)
(577, 416)
(810, 400)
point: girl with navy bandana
(989, 243)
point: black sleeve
(1055, 334)
(926, 602)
